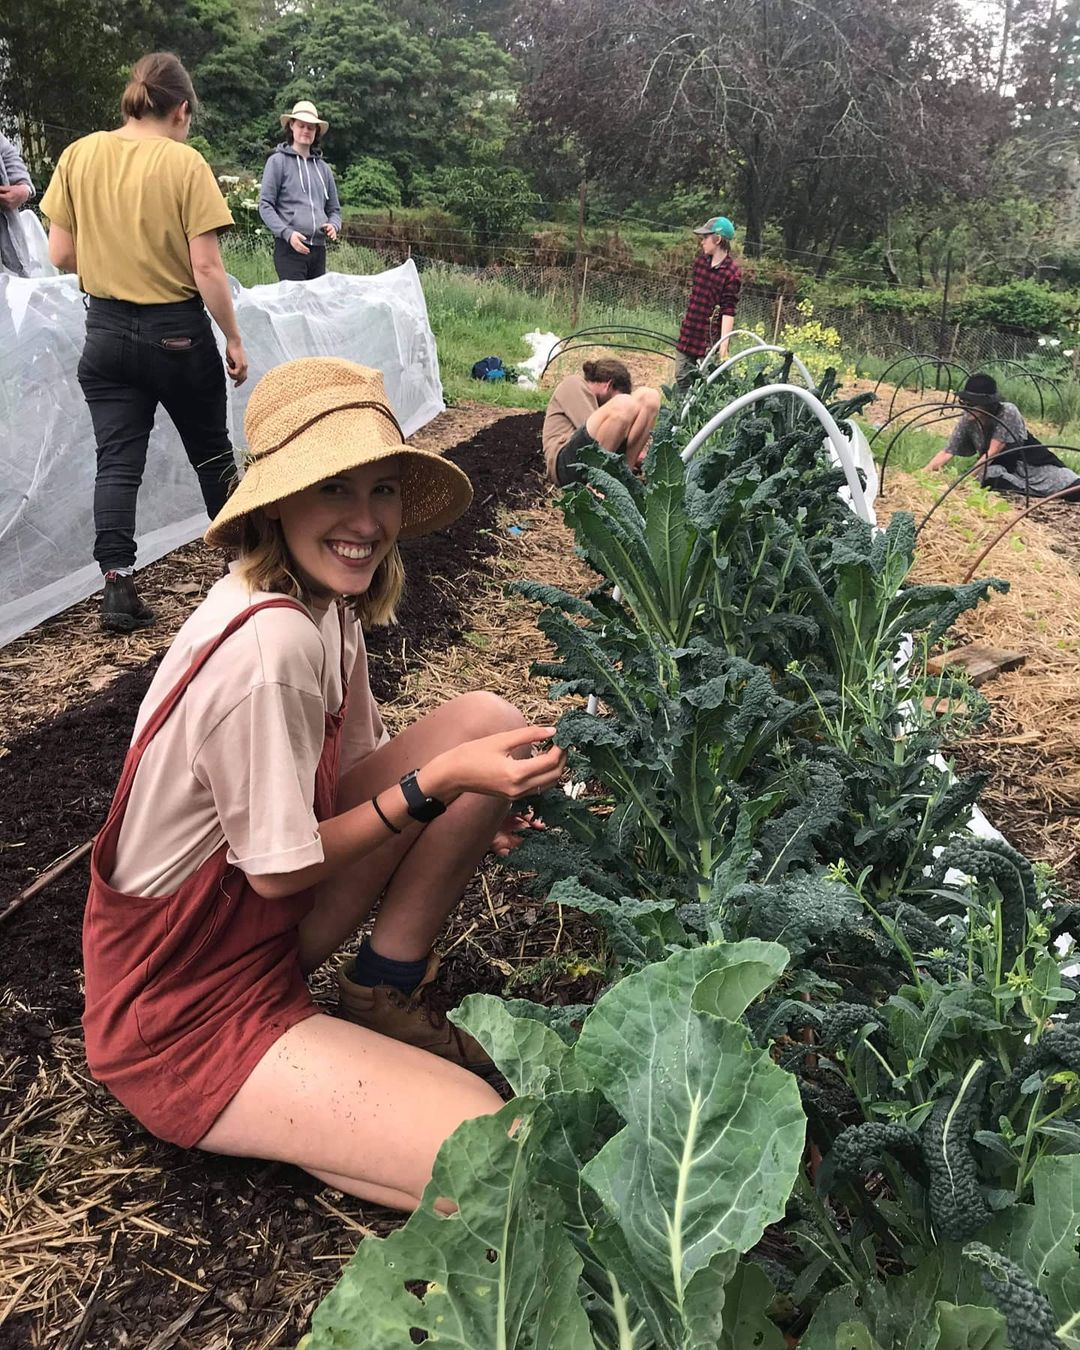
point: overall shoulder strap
(165, 708)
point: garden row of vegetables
(831, 1093)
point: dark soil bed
(201, 1251)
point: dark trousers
(135, 357)
(293, 266)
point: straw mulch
(63, 662)
(644, 367)
(1031, 746)
(109, 1238)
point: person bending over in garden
(263, 812)
(298, 201)
(597, 407)
(714, 295)
(1010, 458)
(137, 213)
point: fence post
(579, 254)
(778, 316)
(944, 328)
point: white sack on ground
(47, 444)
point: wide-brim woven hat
(305, 111)
(318, 416)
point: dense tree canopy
(831, 127)
(412, 85)
(821, 116)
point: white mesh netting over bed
(47, 445)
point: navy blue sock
(370, 968)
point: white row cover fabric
(47, 459)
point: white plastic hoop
(759, 341)
(754, 351)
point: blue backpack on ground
(490, 368)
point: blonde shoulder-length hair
(266, 565)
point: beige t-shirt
(132, 206)
(236, 760)
(571, 406)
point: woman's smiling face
(340, 530)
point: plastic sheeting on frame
(47, 459)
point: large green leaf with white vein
(713, 1137)
(1044, 1238)
(500, 1274)
(531, 1057)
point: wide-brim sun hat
(718, 225)
(318, 416)
(305, 111)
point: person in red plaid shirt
(714, 295)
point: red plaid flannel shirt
(714, 291)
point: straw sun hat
(310, 419)
(305, 111)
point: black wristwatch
(421, 806)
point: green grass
(1050, 412)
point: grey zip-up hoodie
(299, 194)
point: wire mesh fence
(594, 290)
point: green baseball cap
(718, 225)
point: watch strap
(420, 806)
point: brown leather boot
(411, 1018)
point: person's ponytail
(158, 84)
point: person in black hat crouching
(1013, 460)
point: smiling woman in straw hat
(263, 813)
(298, 201)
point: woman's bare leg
(359, 1111)
(424, 870)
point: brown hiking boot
(411, 1018)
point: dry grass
(1032, 743)
(644, 367)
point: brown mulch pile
(110, 1238)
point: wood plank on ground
(979, 662)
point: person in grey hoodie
(298, 202)
(16, 190)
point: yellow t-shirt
(131, 206)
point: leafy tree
(63, 64)
(370, 182)
(390, 89)
(493, 202)
(827, 116)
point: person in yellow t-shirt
(136, 213)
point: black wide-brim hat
(980, 391)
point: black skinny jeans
(293, 266)
(135, 357)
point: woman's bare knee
(483, 713)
